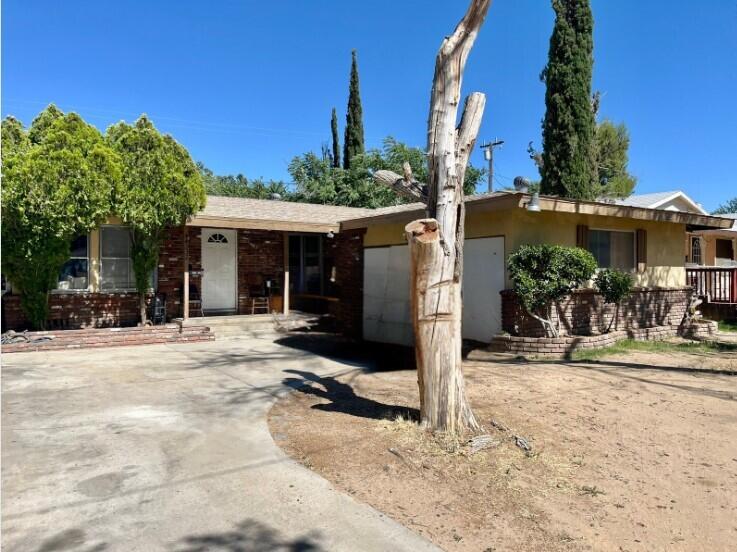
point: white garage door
(386, 308)
(483, 279)
(386, 295)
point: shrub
(614, 285)
(542, 274)
(57, 181)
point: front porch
(225, 271)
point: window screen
(613, 249)
(116, 267)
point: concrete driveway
(167, 448)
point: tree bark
(142, 308)
(436, 244)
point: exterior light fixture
(330, 234)
(534, 204)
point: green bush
(542, 274)
(614, 285)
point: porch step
(255, 325)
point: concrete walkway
(167, 448)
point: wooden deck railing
(716, 284)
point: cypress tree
(569, 127)
(336, 139)
(354, 118)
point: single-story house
(244, 256)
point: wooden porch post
(185, 294)
(286, 273)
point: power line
(200, 125)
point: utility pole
(488, 148)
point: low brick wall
(561, 347)
(584, 312)
(703, 329)
(111, 337)
(76, 310)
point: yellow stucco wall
(665, 259)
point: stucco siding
(665, 258)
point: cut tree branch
(413, 190)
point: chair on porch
(259, 300)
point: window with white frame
(696, 250)
(613, 249)
(116, 265)
(75, 273)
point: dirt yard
(635, 452)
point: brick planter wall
(703, 329)
(584, 312)
(562, 347)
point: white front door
(219, 284)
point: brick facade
(77, 310)
(347, 256)
(260, 256)
(584, 312)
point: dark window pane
(79, 247)
(312, 245)
(600, 246)
(115, 242)
(725, 249)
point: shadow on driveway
(343, 398)
(249, 536)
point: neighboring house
(713, 247)
(674, 200)
(707, 247)
(244, 255)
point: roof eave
(258, 224)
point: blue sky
(246, 85)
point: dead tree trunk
(436, 243)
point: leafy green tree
(319, 182)
(611, 147)
(240, 186)
(353, 144)
(569, 160)
(726, 208)
(57, 183)
(614, 286)
(160, 188)
(543, 274)
(336, 139)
